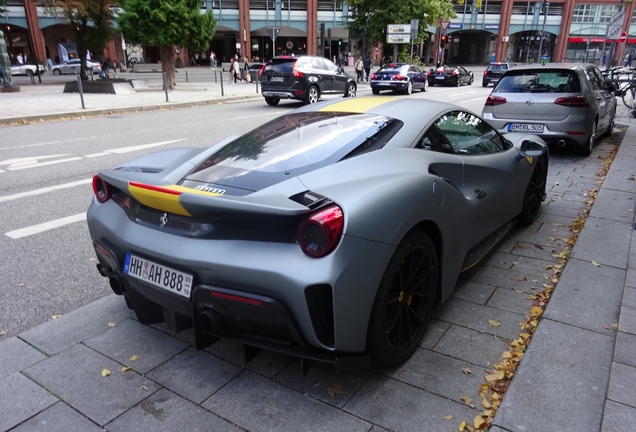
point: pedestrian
(604, 59)
(628, 59)
(231, 70)
(340, 62)
(212, 59)
(236, 68)
(367, 67)
(359, 67)
(246, 70)
(19, 58)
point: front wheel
(57, 72)
(272, 101)
(629, 98)
(535, 193)
(312, 95)
(425, 88)
(351, 91)
(29, 73)
(404, 301)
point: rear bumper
(283, 93)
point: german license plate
(439, 77)
(384, 83)
(525, 127)
(277, 79)
(158, 275)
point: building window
(329, 5)
(606, 13)
(461, 9)
(300, 5)
(225, 4)
(522, 9)
(584, 13)
(634, 17)
(492, 8)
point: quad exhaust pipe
(116, 284)
(561, 143)
(210, 321)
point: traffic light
(443, 38)
(339, 41)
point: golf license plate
(525, 127)
(277, 79)
(158, 275)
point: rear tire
(272, 101)
(404, 301)
(458, 83)
(409, 88)
(484, 84)
(535, 193)
(586, 149)
(312, 95)
(351, 91)
(425, 88)
(610, 128)
(375, 91)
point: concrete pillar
(312, 27)
(501, 47)
(35, 33)
(244, 28)
(566, 21)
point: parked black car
(494, 72)
(398, 77)
(450, 75)
(305, 78)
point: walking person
(246, 70)
(359, 67)
(236, 68)
(367, 67)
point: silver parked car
(73, 65)
(563, 104)
(328, 233)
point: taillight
(572, 102)
(374, 76)
(260, 72)
(485, 72)
(429, 72)
(319, 233)
(399, 77)
(297, 73)
(495, 100)
(454, 72)
(103, 191)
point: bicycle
(625, 82)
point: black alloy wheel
(404, 301)
(535, 193)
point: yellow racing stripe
(358, 105)
(158, 200)
(191, 190)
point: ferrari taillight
(103, 191)
(495, 100)
(454, 72)
(320, 232)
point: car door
(603, 92)
(322, 75)
(415, 74)
(338, 79)
(493, 179)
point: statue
(7, 79)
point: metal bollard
(222, 91)
(165, 85)
(81, 89)
(257, 76)
(215, 81)
(186, 76)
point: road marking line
(472, 100)
(44, 190)
(122, 150)
(46, 226)
(98, 154)
(40, 164)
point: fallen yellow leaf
(536, 311)
(105, 373)
(478, 421)
(55, 316)
(112, 324)
(448, 417)
(494, 323)
(596, 264)
(125, 369)
(518, 291)
(134, 358)
(485, 403)
(495, 376)
(467, 400)
(467, 370)
(462, 426)
(506, 354)
(487, 413)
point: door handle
(480, 193)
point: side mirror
(529, 149)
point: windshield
(530, 81)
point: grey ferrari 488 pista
(329, 233)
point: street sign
(613, 32)
(273, 32)
(415, 27)
(398, 29)
(623, 37)
(444, 24)
(617, 18)
(398, 38)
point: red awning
(595, 40)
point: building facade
(486, 30)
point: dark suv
(494, 72)
(305, 78)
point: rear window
(299, 140)
(280, 65)
(498, 68)
(394, 68)
(543, 81)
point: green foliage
(167, 23)
(371, 17)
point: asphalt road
(47, 264)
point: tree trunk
(167, 65)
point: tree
(88, 24)
(370, 17)
(167, 23)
